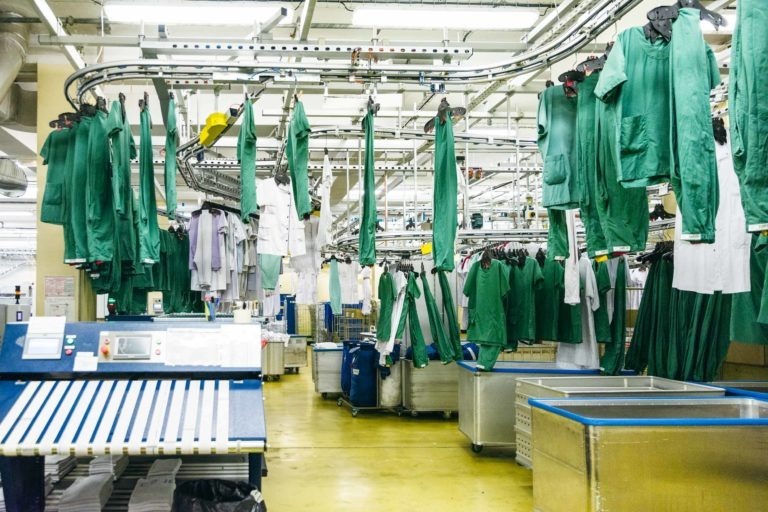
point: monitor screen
(133, 347)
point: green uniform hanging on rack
(246, 154)
(76, 205)
(98, 193)
(612, 361)
(367, 237)
(549, 297)
(444, 347)
(556, 120)
(334, 287)
(123, 151)
(557, 237)
(487, 290)
(171, 141)
(454, 334)
(54, 154)
(297, 151)
(601, 319)
(749, 317)
(149, 233)
(415, 336)
(527, 281)
(387, 296)
(444, 197)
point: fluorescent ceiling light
(193, 13)
(445, 17)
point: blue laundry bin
(364, 367)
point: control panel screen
(42, 348)
(133, 347)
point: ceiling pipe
(13, 48)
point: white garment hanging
(583, 355)
(201, 264)
(280, 231)
(386, 347)
(324, 235)
(572, 273)
(365, 274)
(722, 266)
(348, 273)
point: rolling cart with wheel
(326, 369)
(434, 388)
(295, 354)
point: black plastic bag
(217, 496)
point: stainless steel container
(432, 388)
(638, 455)
(273, 360)
(751, 388)
(326, 370)
(487, 399)
(594, 387)
(296, 353)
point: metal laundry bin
(644, 454)
(592, 387)
(434, 388)
(751, 388)
(272, 360)
(487, 399)
(296, 353)
(326, 370)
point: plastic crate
(524, 448)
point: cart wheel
(354, 412)
(477, 448)
(277, 377)
(338, 402)
(324, 395)
(399, 413)
(446, 415)
(414, 414)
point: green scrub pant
(445, 197)
(749, 316)
(77, 203)
(246, 154)
(693, 72)
(600, 317)
(367, 236)
(444, 347)
(612, 361)
(149, 232)
(586, 155)
(297, 151)
(334, 288)
(269, 266)
(171, 141)
(623, 212)
(415, 336)
(557, 239)
(489, 354)
(100, 217)
(652, 327)
(749, 109)
(449, 309)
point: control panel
(132, 346)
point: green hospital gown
(171, 141)
(246, 154)
(556, 120)
(444, 197)
(149, 233)
(367, 236)
(297, 151)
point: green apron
(367, 237)
(246, 154)
(444, 347)
(444, 197)
(334, 288)
(749, 109)
(297, 151)
(171, 141)
(149, 233)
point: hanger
(65, 120)
(718, 128)
(208, 205)
(101, 104)
(661, 19)
(443, 111)
(87, 110)
(569, 80)
(541, 257)
(485, 260)
(144, 103)
(121, 98)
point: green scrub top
(387, 296)
(297, 151)
(549, 298)
(149, 233)
(487, 290)
(367, 236)
(749, 109)
(77, 203)
(100, 211)
(54, 153)
(444, 347)
(556, 120)
(444, 197)
(526, 283)
(749, 316)
(171, 141)
(123, 150)
(636, 77)
(69, 175)
(602, 324)
(246, 154)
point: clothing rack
(209, 205)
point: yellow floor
(320, 459)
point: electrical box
(154, 303)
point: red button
(157, 352)
(68, 351)
(105, 350)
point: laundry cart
(295, 356)
(643, 454)
(326, 368)
(273, 355)
(591, 387)
(752, 388)
(487, 399)
(434, 388)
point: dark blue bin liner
(362, 391)
(346, 366)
